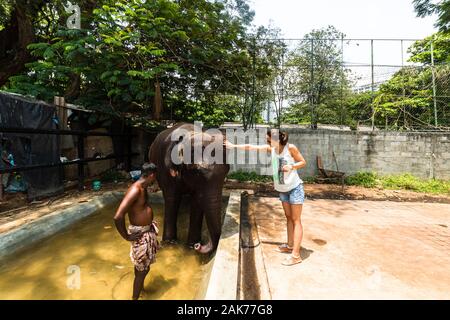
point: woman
(286, 160)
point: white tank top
(284, 181)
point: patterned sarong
(143, 251)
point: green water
(95, 249)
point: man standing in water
(143, 230)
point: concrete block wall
(423, 154)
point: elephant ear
(176, 153)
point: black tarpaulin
(31, 149)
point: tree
(272, 55)
(23, 22)
(404, 99)
(420, 51)
(359, 108)
(261, 80)
(16, 33)
(193, 50)
(407, 100)
(441, 8)
(318, 80)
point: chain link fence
(365, 84)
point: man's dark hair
(148, 169)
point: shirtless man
(143, 230)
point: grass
(367, 180)
(363, 179)
(395, 182)
(243, 176)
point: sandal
(291, 260)
(284, 248)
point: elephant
(202, 180)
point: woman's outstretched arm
(250, 147)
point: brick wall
(425, 155)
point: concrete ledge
(48, 225)
(253, 282)
(223, 282)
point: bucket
(135, 175)
(96, 185)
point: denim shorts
(295, 196)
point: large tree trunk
(14, 40)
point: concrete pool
(92, 251)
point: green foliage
(421, 50)
(266, 77)
(309, 180)
(329, 86)
(365, 179)
(405, 96)
(5, 11)
(359, 108)
(212, 114)
(243, 176)
(406, 100)
(410, 182)
(196, 50)
(429, 7)
(403, 181)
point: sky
(355, 18)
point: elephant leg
(171, 206)
(195, 223)
(213, 215)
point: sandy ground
(359, 250)
(332, 191)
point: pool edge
(224, 275)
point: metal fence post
(373, 84)
(403, 89)
(342, 79)
(313, 124)
(80, 146)
(433, 74)
(281, 91)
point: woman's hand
(287, 168)
(229, 145)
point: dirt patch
(333, 191)
(319, 242)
